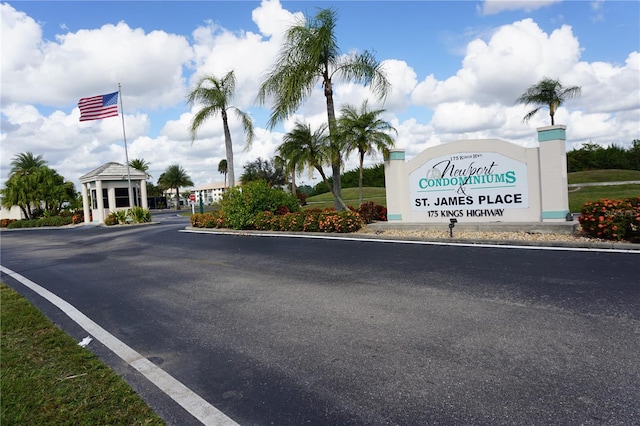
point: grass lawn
(613, 175)
(592, 193)
(47, 379)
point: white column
(554, 202)
(111, 199)
(394, 170)
(85, 202)
(99, 214)
(143, 194)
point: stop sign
(192, 197)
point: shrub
(43, 221)
(312, 220)
(612, 219)
(139, 215)
(263, 221)
(240, 205)
(302, 198)
(54, 221)
(208, 220)
(5, 222)
(111, 220)
(333, 221)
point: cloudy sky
(456, 68)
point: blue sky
(456, 67)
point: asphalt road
(293, 331)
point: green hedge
(43, 221)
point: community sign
(469, 185)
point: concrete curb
(600, 245)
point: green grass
(350, 197)
(47, 379)
(612, 175)
(592, 193)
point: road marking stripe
(431, 243)
(185, 397)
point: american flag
(98, 107)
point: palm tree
(175, 177)
(305, 148)
(140, 164)
(223, 168)
(310, 54)
(547, 93)
(289, 168)
(365, 132)
(26, 163)
(216, 95)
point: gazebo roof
(112, 171)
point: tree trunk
(294, 190)
(177, 198)
(336, 199)
(360, 179)
(336, 155)
(229, 149)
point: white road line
(189, 400)
(428, 243)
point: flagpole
(126, 153)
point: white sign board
(469, 184)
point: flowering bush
(208, 220)
(333, 221)
(312, 220)
(612, 219)
(240, 205)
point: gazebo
(106, 189)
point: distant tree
(268, 171)
(25, 163)
(592, 156)
(216, 95)
(312, 150)
(547, 93)
(141, 165)
(175, 177)
(310, 54)
(36, 188)
(223, 168)
(153, 190)
(362, 131)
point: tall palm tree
(216, 95)
(141, 165)
(310, 55)
(305, 148)
(363, 131)
(548, 93)
(224, 169)
(175, 177)
(26, 163)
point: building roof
(112, 171)
(215, 185)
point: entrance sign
(484, 180)
(469, 184)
